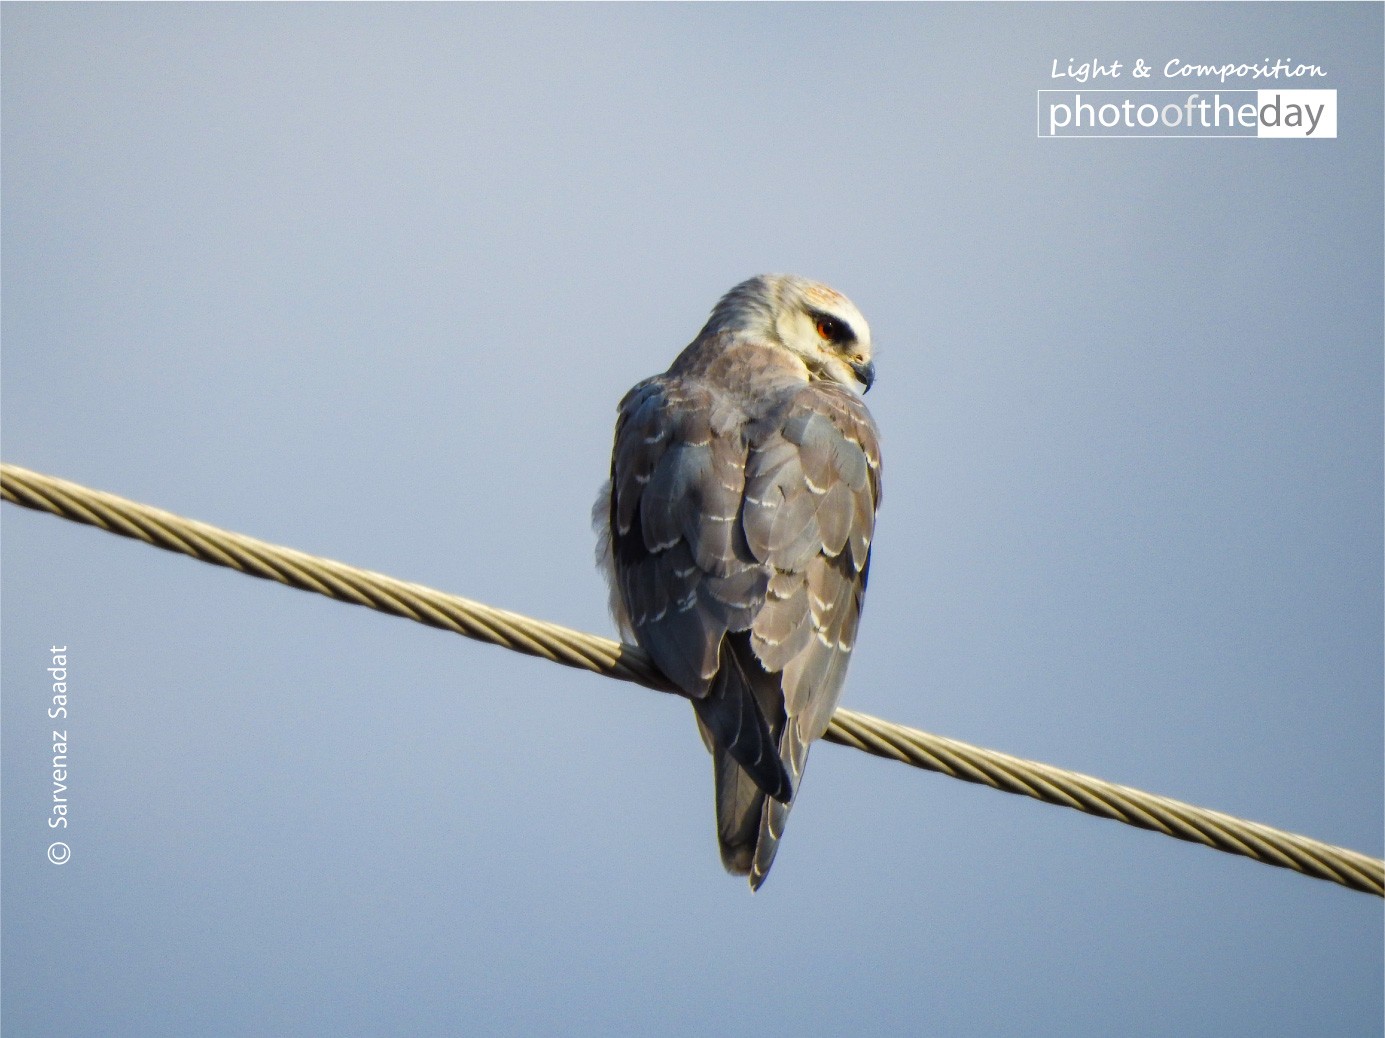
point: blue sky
(370, 280)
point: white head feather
(817, 324)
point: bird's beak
(865, 374)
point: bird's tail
(757, 760)
(774, 813)
(749, 823)
(740, 805)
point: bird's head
(817, 324)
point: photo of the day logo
(1283, 114)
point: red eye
(828, 329)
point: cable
(629, 663)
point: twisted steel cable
(628, 663)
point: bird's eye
(829, 329)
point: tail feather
(774, 814)
(740, 806)
(742, 720)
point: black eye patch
(832, 329)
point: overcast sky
(369, 281)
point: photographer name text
(58, 853)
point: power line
(629, 663)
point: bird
(735, 532)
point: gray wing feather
(686, 575)
(744, 713)
(812, 521)
(741, 550)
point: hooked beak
(865, 374)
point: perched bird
(736, 530)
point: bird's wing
(685, 572)
(812, 487)
(741, 551)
